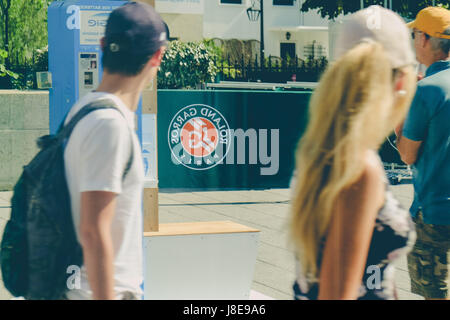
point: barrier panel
(265, 127)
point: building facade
(184, 18)
(287, 30)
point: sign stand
(150, 107)
(149, 112)
(198, 260)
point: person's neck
(127, 89)
(436, 58)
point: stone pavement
(266, 210)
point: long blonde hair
(353, 109)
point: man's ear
(424, 40)
(155, 61)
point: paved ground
(266, 210)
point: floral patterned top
(394, 236)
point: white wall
(230, 21)
(300, 39)
(23, 119)
(180, 6)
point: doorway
(287, 50)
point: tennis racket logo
(198, 137)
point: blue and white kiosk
(199, 260)
(74, 32)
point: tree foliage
(3, 70)
(406, 8)
(5, 7)
(187, 65)
(27, 28)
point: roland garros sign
(199, 137)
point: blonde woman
(346, 225)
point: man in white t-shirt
(106, 204)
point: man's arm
(103, 157)
(413, 131)
(408, 149)
(97, 212)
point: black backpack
(39, 244)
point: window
(283, 2)
(314, 50)
(231, 1)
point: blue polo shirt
(428, 121)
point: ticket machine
(74, 32)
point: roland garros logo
(199, 137)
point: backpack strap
(65, 131)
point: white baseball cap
(381, 25)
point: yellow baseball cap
(433, 21)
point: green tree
(23, 30)
(28, 28)
(5, 6)
(3, 69)
(187, 65)
(406, 8)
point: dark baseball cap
(135, 29)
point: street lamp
(253, 14)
